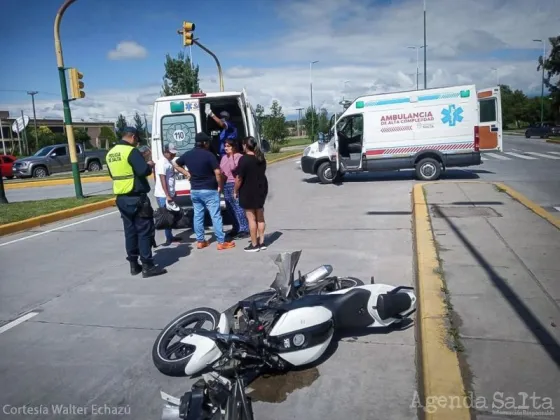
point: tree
(259, 111)
(180, 77)
(274, 127)
(307, 122)
(139, 125)
(108, 136)
(121, 125)
(552, 69)
(323, 121)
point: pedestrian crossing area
(522, 155)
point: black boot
(151, 270)
(135, 268)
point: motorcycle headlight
(306, 151)
(298, 340)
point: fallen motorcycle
(287, 326)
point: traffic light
(188, 28)
(76, 84)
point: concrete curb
(440, 371)
(54, 182)
(534, 207)
(54, 217)
(553, 141)
(286, 157)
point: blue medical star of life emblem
(189, 106)
(452, 115)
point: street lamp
(497, 76)
(542, 80)
(65, 100)
(425, 71)
(311, 89)
(417, 63)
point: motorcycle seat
(390, 305)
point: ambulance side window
(351, 126)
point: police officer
(129, 171)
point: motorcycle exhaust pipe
(170, 412)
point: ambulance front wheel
(325, 173)
(428, 169)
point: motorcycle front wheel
(171, 359)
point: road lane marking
(17, 321)
(497, 156)
(543, 155)
(57, 228)
(555, 153)
(483, 158)
(520, 156)
(557, 208)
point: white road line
(17, 321)
(57, 228)
(497, 156)
(483, 158)
(520, 156)
(543, 155)
(557, 208)
(555, 153)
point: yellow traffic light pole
(65, 101)
(188, 39)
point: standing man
(229, 131)
(206, 186)
(164, 190)
(130, 172)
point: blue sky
(265, 47)
(90, 29)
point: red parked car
(6, 164)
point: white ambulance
(177, 119)
(425, 130)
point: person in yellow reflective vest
(130, 171)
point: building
(56, 126)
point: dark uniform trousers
(138, 220)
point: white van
(177, 119)
(427, 130)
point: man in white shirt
(164, 190)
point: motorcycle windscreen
(286, 263)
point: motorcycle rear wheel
(162, 352)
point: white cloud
(365, 45)
(127, 50)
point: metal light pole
(33, 93)
(417, 63)
(542, 79)
(3, 199)
(65, 101)
(311, 88)
(425, 71)
(497, 76)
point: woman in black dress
(251, 186)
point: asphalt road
(531, 166)
(91, 338)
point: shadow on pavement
(549, 343)
(166, 256)
(404, 175)
(477, 203)
(272, 237)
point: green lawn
(270, 157)
(15, 212)
(296, 141)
